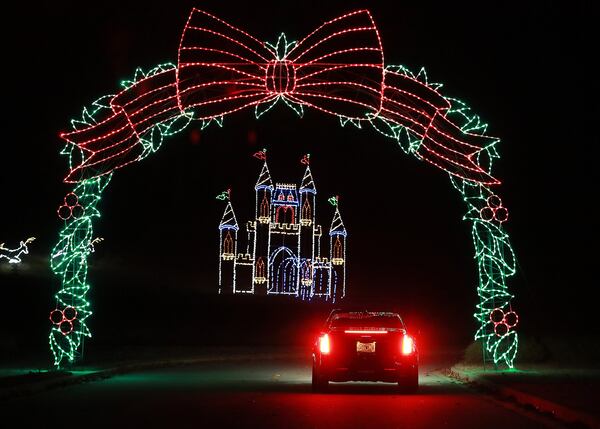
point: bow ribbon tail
(448, 147)
(116, 140)
(422, 110)
(105, 146)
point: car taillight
(324, 346)
(408, 345)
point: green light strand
(493, 253)
(69, 259)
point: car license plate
(365, 347)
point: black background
(524, 67)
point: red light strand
(223, 73)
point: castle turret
(261, 230)
(308, 193)
(337, 249)
(228, 229)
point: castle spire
(308, 184)
(228, 221)
(337, 225)
(264, 179)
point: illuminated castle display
(282, 254)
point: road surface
(261, 394)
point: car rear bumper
(353, 371)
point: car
(365, 346)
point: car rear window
(366, 320)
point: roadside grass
(558, 350)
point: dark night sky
(524, 67)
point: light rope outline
(494, 255)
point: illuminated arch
(337, 69)
(283, 272)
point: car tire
(409, 383)
(319, 383)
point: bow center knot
(281, 76)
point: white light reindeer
(14, 255)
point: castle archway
(283, 272)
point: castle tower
(337, 249)
(306, 250)
(261, 231)
(228, 229)
(284, 241)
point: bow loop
(338, 68)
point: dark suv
(365, 346)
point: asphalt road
(261, 394)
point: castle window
(337, 249)
(285, 214)
(306, 209)
(307, 274)
(264, 206)
(290, 197)
(281, 197)
(228, 244)
(260, 267)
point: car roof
(358, 314)
(364, 313)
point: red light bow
(338, 69)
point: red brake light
(408, 345)
(324, 346)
